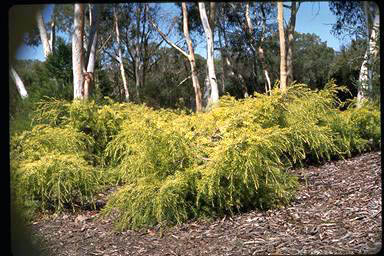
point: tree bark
(19, 83)
(43, 34)
(192, 61)
(210, 61)
(52, 39)
(365, 76)
(283, 64)
(77, 52)
(223, 64)
(137, 53)
(120, 58)
(290, 41)
(91, 51)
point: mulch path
(337, 211)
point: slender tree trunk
(244, 88)
(94, 13)
(77, 52)
(144, 49)
(120, 57)
(229, 68)
(212, 23)
(43, 34)
(19, 83)
(52, 40)
(283, 64)
(137, 53)
(223, 64)
(192, 61)
(91, 50)
(260, 49)
(190, 56)
(210, 61)
(290, 41)
(365, 77)
(137, 74)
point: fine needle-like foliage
(172, 166)
(231, 159)
(50, 168)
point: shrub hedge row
(174, 166)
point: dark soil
(337, 211)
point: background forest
(159, 75)
(183, 135)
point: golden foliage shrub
(174, 166)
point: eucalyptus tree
(208, 25)
(137, 41)
(34, 37)
(77, 52)
(90, 59)
(120, 55)
(260, 48)
(48, 45)
(366, 73)
(232, 44)
(190, 55)
(83, 64)
(360, 20)
(290, 29)
(243, 29)
(40, 35)
(283, 63)
(19, 83)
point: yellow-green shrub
(51, 111)
(233, 158)
(55, 181)
(246, 171)
(175, 166)
(356, 129)
(144, 147)
(150, 200)
(50, 168)
(42, 139)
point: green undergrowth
(172, 166)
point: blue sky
(313, 17)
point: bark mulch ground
(337, 211)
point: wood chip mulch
(337, 211)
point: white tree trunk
(283, 64)
(77, 52)
(52, 39)
(19, 83)
(120, 58)
(210, 60)
(365, 76)
(91, 51)
(92, 40)
(43, 34)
